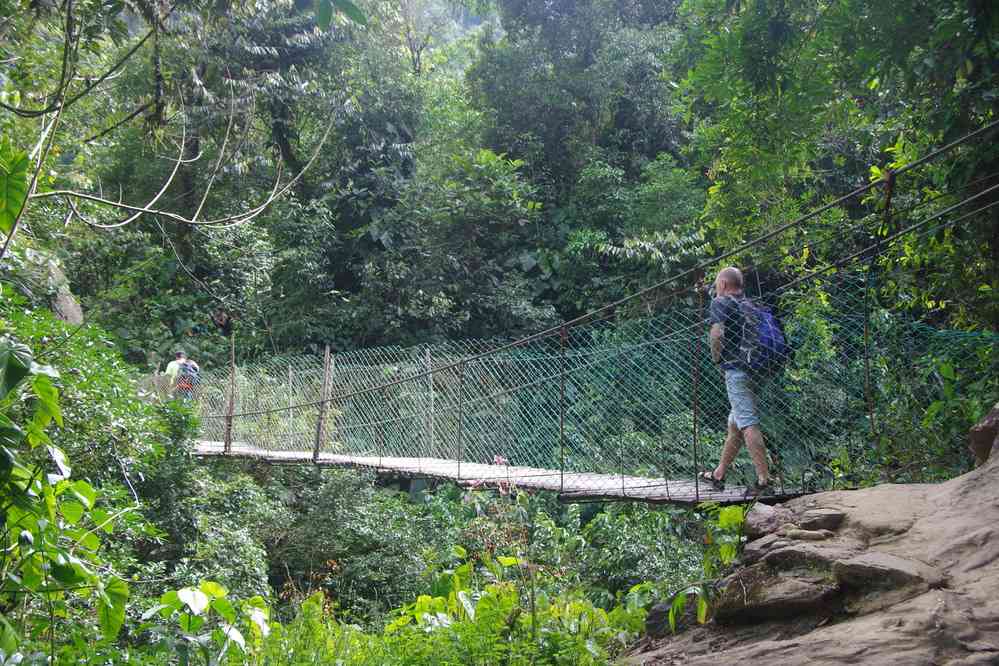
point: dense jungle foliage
(392, 172)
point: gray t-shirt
(725, 310)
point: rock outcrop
(983, 440)
(895, 574)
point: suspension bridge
(624, 403)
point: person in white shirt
(184, 374)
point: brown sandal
(709, 476)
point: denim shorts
(741, 391)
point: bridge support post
(323, 407)
(381, 427)
(430, 410)
(290, 421)
(461, 413)
(563, 334)
(230, 407)
(695, 367)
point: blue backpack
(189, 376)
(762, 347)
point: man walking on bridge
(727, 328)
(184, 375)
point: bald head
(729, 281)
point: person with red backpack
(184, 375)
(747, 342)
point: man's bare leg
(757, 451)
(733, 442)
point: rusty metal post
(868, 387)
(331, 418)
(563, 334)
(461, 412)
(323, 407)
(290, 425)
(381, 429)
(695, 389)
(231, 403)
(431, 407)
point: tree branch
(277, 191)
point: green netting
(869, 386)
(615, 397)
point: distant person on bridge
(184, 375)
(727, 317)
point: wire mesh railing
(620, 404)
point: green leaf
(100, 517)
(66, 574)
(212, 589)
(676, 609)
(154, 610)
(169, 602)
(84, 492)
(36, 431)
(91, 541)
(111, 607)
(702, 609)
(507, 561)
(324, 13)
(15, 364)
(190, 623)
(932, 411)
(11, 435)
(8, 637)
(730, 517)
(48, 398)
(13, 184)
(947, 371)
(224, 608)
(352, 11)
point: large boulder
(879, 570)
(910, 576)
(757, 593)
(798, 555)
(983, 438)
(821, 519)
(763, 519)
(756, 549)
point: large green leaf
(111, 606)
(352, 11)
(212, 589)
(10, 435)
(13, 184)
(84, 492)
(8, 637)
(48, 398)
(65, 573)
(72, 511)
(324, 12)
(224, 608)
(15, 364)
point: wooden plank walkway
(571, 486)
